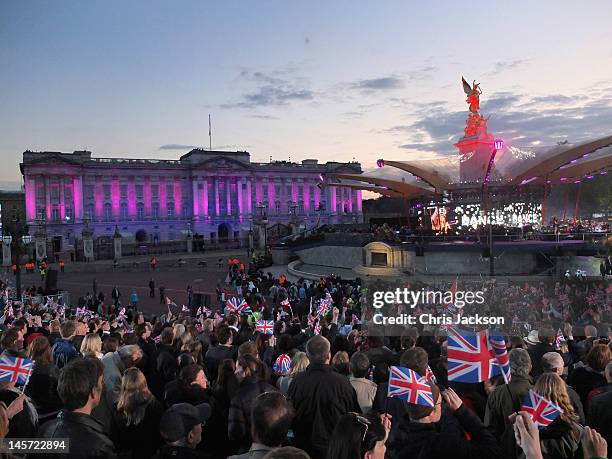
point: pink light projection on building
(99, 198)
(163, 198)
(77, 196)
(317, 191)
(271, 195)
(240, 195)
(306, 197)
(131, 198)
(204, 197)
(228, 194)
(30, 195)
(115, 197)
(178, 203)
(218, 186)
(350, 202)
(333, 206)
(147, 195)
(294, 192)
(249, 198)
(258, 193)
(359, 201)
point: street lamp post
(17, 238)
(264, 223)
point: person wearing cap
(507, 399)
(181, 428)
(80, 388)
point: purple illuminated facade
(215, 194)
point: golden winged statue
(473, 92)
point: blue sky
(326, 80)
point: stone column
(239, 183)
(77, 196)
(217, 207)
(205, 197)
(196, 200)
(228, 194)
(249, 198)
(62, 189)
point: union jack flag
(285, 303)
(323, 308)
(157, 339)
(453, 290)
(199, 311)
(265, 326)
(559, 339)
(408, 385)
(121, 315)
(169, 302)
(542, 411)
(317, 328)
(15, 369)
(218, 317)
(429, 375)
(185, 309)
(476, 357)
(238, 308)
(282, 366)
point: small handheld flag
(543, 412)
(408, 385)
(429, 375)
(238, 308)
(15, 369)
(185, 309)
(265, 326)
(282, 366)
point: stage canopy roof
(563, 163)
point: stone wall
(330, 255)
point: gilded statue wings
(466, 87)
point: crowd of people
(280, 376)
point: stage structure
(488, 182)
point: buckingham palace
(216, 195)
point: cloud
(271, 90)
(307, 41)
(379, 84)
(504, 66)
(263, 117)
(519, 119)
(176, 146)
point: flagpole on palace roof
(209, 133)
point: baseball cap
(178, 420)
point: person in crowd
(12, 343)
(418, 437)
(115, 364)
(216, 354)
(544, 344)
(164, 365)
(181, 430)
(137, 417)
(147, 345)
(63, 349)
(110, 344)
(80, 388)
(507, 399)
(42, 385)
(190, 387)
(299, 363)
(54, 331)
(271, 418)
(600, 408)
(377, 351)
(251, 377)
(320, 397)
(359, 437)
(92, 346)
(591, 376)
(552, 362)
(561, 439)
(340, 363)
(287, 452)
(365, 389)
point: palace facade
(215, 194)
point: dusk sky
(329, 80)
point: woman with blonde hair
(137, 417)
(562, 438)
(299, 363)
(92, 346)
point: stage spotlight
(499, 144)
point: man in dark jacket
(600, 409)
(552, 362)
(507, 399)
(80, 388)
(147, 345)
(546, 338)
(320, 397)
(216, 354)
(63, 349)
(251, 374)
(418, 437)
(163, 366)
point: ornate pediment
(222, 163)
